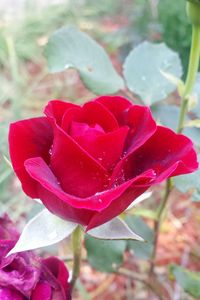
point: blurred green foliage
(175, 27)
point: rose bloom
(25, 276)
(88, 163)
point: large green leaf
(143, 71)
(104, 255)
(142, 250)
(70, 48)
(189, 281)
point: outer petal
(77, 209)
(117, 105)
(117, 206)
(78, 173)
(166, 152)
(29, 138)
(54, 198)
(56, 109)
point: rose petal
(24, 265)
(72, 114)
(166, 152)
(52, 195)
(59, 270)
(56, 109)
(105, 148)
(59, 206)
(29, 138)
(78, 173)
(42, 291)
(9, 294)
(77, 209)
(95, 113)
(117, 105)
(142, 126)
(134, 188)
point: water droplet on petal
(50, 151)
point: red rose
(88, 163)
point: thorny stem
(190, 80)
(77, 246)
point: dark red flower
(24, 275)
(88, 163)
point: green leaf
(43, 230)
(143, 71)
(142, 250)
(70, 48)
(189, 281)
(116, 229)
(104, 255)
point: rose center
(80, 129)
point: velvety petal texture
(25, 276)
(88, 163)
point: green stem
(158, 223)
(190, 81)
(77, 246)
(191, 76)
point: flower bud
(193, 11)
